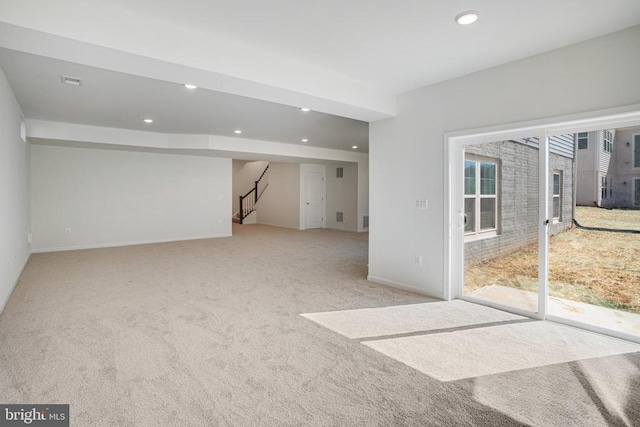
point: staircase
(247, 203)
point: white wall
(363, 192)
(111, 198)
(407, 153)
(14, 193)
(342, 196)
(280, 202)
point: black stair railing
(249, 200)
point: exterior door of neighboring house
(314, 180)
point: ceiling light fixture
(304, 140)
(237, 131)
(148, 120)
(305, 109)
(354, 146)
(189, 86)
(466, 17)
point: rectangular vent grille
(365, 221)
(339, 172)
(73, 81)
(339, 216)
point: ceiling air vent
(73, 81)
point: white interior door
(315, 199)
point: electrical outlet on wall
(67, 230)
(418, 259)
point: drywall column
(14, 192)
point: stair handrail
(248, 204)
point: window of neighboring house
(636, 151)
(607, 142)
(636, 192)
(583, 140)
(606, 191)
(480, 197)
(557, 196)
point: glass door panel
(594, 264)
(501, 222)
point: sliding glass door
(545, 222)
(594, 262)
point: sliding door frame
(454, 231)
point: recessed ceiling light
(238, 131)
(467, 17)
(148, 120)
(354, 146)
(305, 109)
(73, 81)
(304, 140)
(189, 86)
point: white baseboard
(402, 286)
(15, 283)
(278, 225)
(352, 230)
(118, 244)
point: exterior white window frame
(478, 232)
(557, 219)
(635, 140)
(454, 206)
(607, 143)
(585, 138)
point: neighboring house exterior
(608, 168)
(502, 198)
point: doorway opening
(515, 239)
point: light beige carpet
(209, 333)
(404, 319)
(491, 350)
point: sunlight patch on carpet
(491, 350)
(403, 319)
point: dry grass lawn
(596, 267)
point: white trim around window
(556, 191)
(583, 140)
(607, 141)
(481, 197)
(636, 151)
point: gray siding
(562, 145)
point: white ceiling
(113, 99)
(347, 58)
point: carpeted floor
(209, 333)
